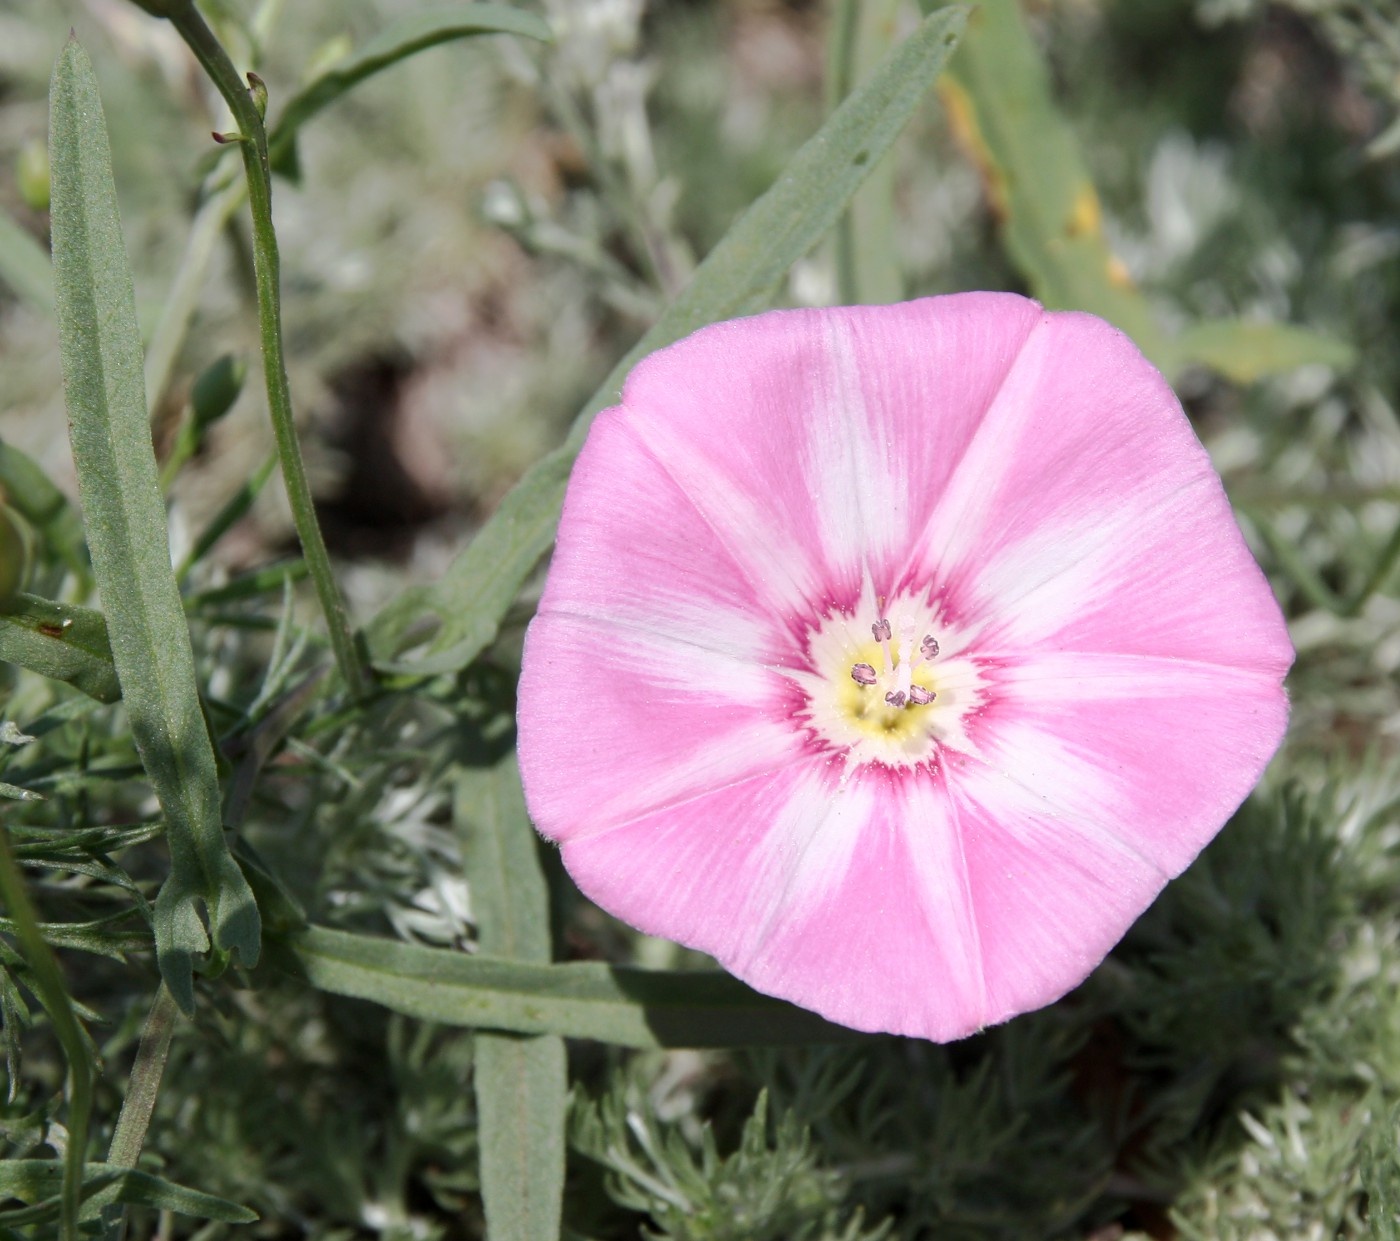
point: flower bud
(216, 390)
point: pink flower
(897, 656)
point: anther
(929, 647)
(920, 696)
(895, 698)
(863, 674)
(881, 629)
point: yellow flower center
(889, 682)
(865, 707)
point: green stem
(47, 982)
(266, 263)
(135, 1118)
(146, 1072)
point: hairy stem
(266, 266)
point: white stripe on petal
(847, 470)
(955, 534)
(934, 839)
(1033, 588)
(807, 851)
(749, 528)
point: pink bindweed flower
(897, 656)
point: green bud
(258, 89)
(32, 175)
(16, 553)
(216, 390)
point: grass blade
(736, 278)
(60, 640)
(609, 1003)
(521, 1083)
(125, 520)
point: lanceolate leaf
(521, 1082)
(999, 98)
(1246, 351)
(736, 278)
(62, 641)
(609, 1003)
(125, 520)
(396, 42)
(37, 1181)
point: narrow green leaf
(29, 490)
(37, 1180)
(15, 793)
(125, 520)
(397, 41)
(229, 515)
(24, 266)
(510, 900)
(1001, 103)
(999, 99)
(97, 936)
(142, 1089)
(610, 1003)
(62, 641)
(521, 1083)
(736, 278)
(867, 263)
(1246, 351)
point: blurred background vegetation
(472, 240)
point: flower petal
(1157, 751)
(1098, 778)
(1052, 892)
(617, 721)
(633, 549)
(815, 442)
(1086, 514)
(847, 898)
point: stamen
(929, 647)
(895, 699)
(920, 696)
(863, 674)
(881, 629)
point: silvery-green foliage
(772, 1187)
